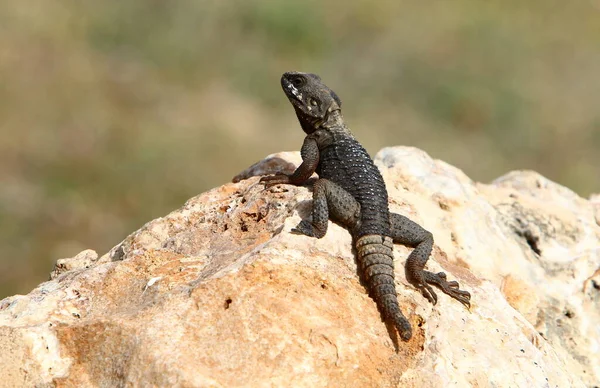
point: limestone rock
(219, 293)
(82, 260)
(595, 199)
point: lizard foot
(307, 229)
(273, 180)
(449, 288)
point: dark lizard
(351, 191)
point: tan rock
(219, 293)
(595, 200)
(82, 260)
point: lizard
(351, 191)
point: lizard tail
(375, 257)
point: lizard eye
(297, 81)
(313, 102)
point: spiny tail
(375, 257)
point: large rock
(219, 293)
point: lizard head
(312, 100)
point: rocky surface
(219, 293)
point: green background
(115, 113)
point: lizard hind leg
(407, 232)
(329, 200)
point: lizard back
(345, 162)
(348, 164)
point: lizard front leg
(310, 161)
(407, 232)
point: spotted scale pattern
(351, 191)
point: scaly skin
(351, 191)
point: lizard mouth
(290, 90)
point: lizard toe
(305, 228)
(449, 288)
(428, 293)
(273, 180)
(453, 284)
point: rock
(82, 260)
(595, 199)
(219, 293)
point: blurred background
(115, 113)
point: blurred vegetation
(115, 113)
